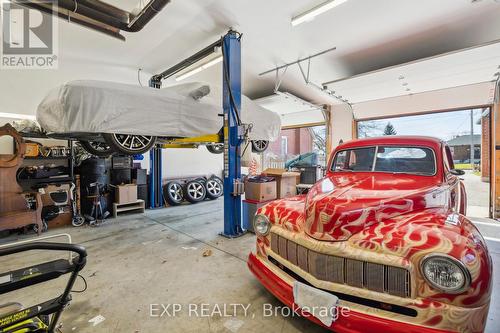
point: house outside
(460, 147)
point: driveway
(478, 195)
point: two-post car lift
(233, 131)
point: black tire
(214, 188)
(78, 221)
(202, 180)
(45, 227)
(99, 149)
(259, 146)
(216, 148)
(173, 193)
(129, 144)
(217, 179)
(195, 191)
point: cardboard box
(286, 182)
(249, 208)
(126, 194)
(260, 191)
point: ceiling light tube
(318, 10)
(199, 69)
(17, 116)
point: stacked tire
(193, 191)
(92, 170)
(214, 187)
(173, 193)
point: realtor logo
(29, 36)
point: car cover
(185, 110)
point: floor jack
(42, 318)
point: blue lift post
(155, 165)
(231, 48)
(233, 131)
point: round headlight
(261, 225)
(445, 273)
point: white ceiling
(471, 66)
(369, 35)
(293, 110)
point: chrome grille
(354, 273)
(361, 274)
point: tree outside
(389, 129)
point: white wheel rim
(261, 144)
(133, 142)
(195, 190)
(175, 191)
(214, 187)
(217, 148)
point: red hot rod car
(383, 235)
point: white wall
(22, 90)
(341, 124)
(179, 163)
(446, 99)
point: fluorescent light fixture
(17, 116)
(199, 69)
(318, 10)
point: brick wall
(299, 142)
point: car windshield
(393, 159)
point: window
(448, 158)
(298, 147)
(392, 159)
(284, 146)
(360, 159)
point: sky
(443, 125)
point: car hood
(344, 204)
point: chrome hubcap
(195, 190)
(214, 187)
(261, 144)
(175, 191)
(217, 148)
(133, 142)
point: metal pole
(232, 152)
(472, 139)
(155, 165)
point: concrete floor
(139, 260)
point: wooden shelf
(47, 180)
(138, 206)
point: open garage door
(293, 110)
(468, 134)
(455, 81)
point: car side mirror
(457, 172)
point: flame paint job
(392, 219)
